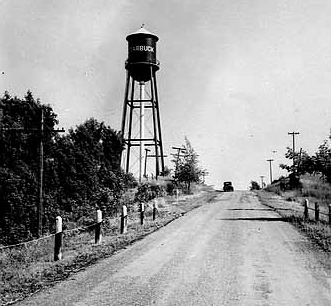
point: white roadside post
(124, 220)
(154, 209)
(142, 213)
(317, 212)
(98, 220)
(306, 213)
(58, 239)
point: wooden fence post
(58, 239)
(306, 214)
(98, 220)
(142, 213)
(154, 209)
(317, 212)
(330, 214)
(124, 220)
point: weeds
(29, 267)
(319, 232)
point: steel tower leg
(125, 104)
(158, 121)
(141, 128)
(157, 167)
(127, 84)
(130, 128)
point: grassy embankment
(28, 268)
(289, 204)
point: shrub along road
(231, 251)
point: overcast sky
(235, 77)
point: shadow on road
(257, 209)
(255, 219)
(260, 209)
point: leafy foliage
(320, 162)
(19, 162)
(187, 170)
(254, 186)
(81, 169)
(304, 163)
(148, 191)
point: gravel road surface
(232, 251)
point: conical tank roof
(143, 32)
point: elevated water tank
(141, 55)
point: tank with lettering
(142, 55)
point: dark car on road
(227, 186)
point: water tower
(141, 123)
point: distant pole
(270, 169)
(262, 183)
(177, 156)
(41, 174)
(153, 155)
(204, 174)
(293, 146)
(145, 167)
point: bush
(170, 187)
(254, 186)
(148, 191)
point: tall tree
(81, 169)
(187, 168)
(20, 122)
(88, 168)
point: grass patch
(313, 188)
(27, 268)
(319, 232)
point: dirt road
(232, 251)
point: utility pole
(204, 174)
(41, 175)
(40, 209)
(262, 183)
(146, 153)
(270, 169)
(293, 147)
(179, 150)
(146, 156)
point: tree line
(302, 163)
(81, 170)
(318, 163)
